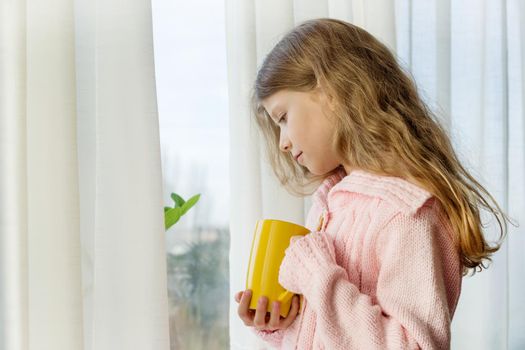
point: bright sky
(190, 64)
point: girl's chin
(318, 171)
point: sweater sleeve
(410, 310)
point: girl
(395, 221)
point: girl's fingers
(292, 314)
(242, 310)
(262, 320)
(275, 317)
(259, 321)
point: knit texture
(379, 269)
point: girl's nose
(284, 142)
(284, 146)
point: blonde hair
(381, 124)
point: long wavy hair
(381, 123)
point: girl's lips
(299, 155)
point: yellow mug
(270, 240)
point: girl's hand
(262, 320)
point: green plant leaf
(179, 202)
(166, 209)
(190, 203)
(171, 217)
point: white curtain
(467, 58)
(81, 213)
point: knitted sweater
(378, 271)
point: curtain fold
(81, 229)
(13, 178)
(39, 234)
(467, 59)
(52, 178)
(130, 308)
(245, 203)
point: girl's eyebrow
(270, 116)
(277, 108)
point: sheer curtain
(81, 219)
(467, 59)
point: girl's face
(306, 131)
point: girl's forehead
(272, 104)
(275, 101)
(278, 100)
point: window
(191, 76)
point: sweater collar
(405, 195)
(321, 194)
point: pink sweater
(378, 271)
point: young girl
(395, 222)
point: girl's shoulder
(360, 186)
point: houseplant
(180, 207)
